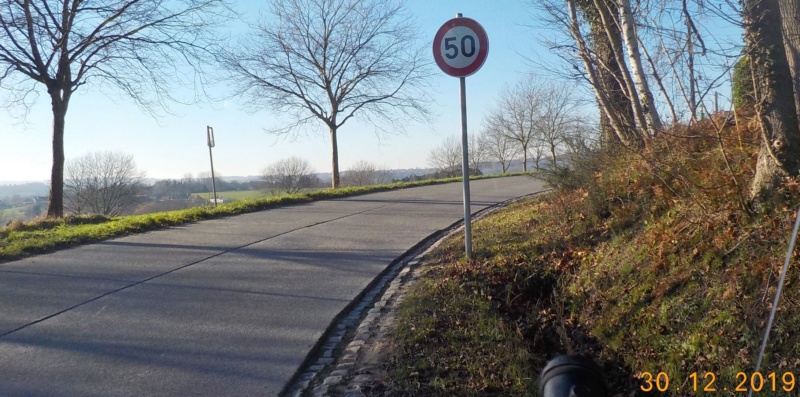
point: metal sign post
(211, 143)
(465, 170)
(460, 48)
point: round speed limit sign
(460, 47)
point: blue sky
(173, 145)
(101, 118)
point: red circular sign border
(483, 39)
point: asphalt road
(227, 307)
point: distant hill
(23, 189)
(38, 189)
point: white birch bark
(602, 99)
(640, 80)
(607, 19)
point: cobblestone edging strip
(368, 374)
(347, 363)
(341, 350)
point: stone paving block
(347, 366)
(348, 358)
(362, 378)
(332, 381)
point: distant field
(235, 194)
(10, 214)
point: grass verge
(18, 239)
(648, 262)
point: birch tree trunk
(607, 12)
(605, 76)
(650, 113)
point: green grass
(647, 263)
(21, 239)
(235, 194)
(454, 336)
(451, 342)
(13, 213)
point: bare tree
(515, 115)
(136, 45)
(645, 96)
(535, 115)
(331, 60)
(364, 173)
(446, 158)
(581, 138)
(498, 147)
(558, 115)
(606, 44)
(478, 154)
(289, 175)
(537, 152)
(105, 183)
(597, 51)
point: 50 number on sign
(467, 46)
(460, 47)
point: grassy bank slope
(647, 263)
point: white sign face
(460, 47)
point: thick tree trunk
(605, 75)
(790, 20)
(607, 134)
(55, 208)
(775, 97)
(607, 11)
(649, 110)
(334, 159)
(553, 153)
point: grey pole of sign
(465, 168)
(460, 48)
(210, 132)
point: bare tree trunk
(606, 78)
(690, 65)
(660, 83)
(608, 81)
(524, 158)
(790, 20)
(653, 121)
(55, 208)
(334, 159)
(775, 97)
(607, 11)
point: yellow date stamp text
(708, 382)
